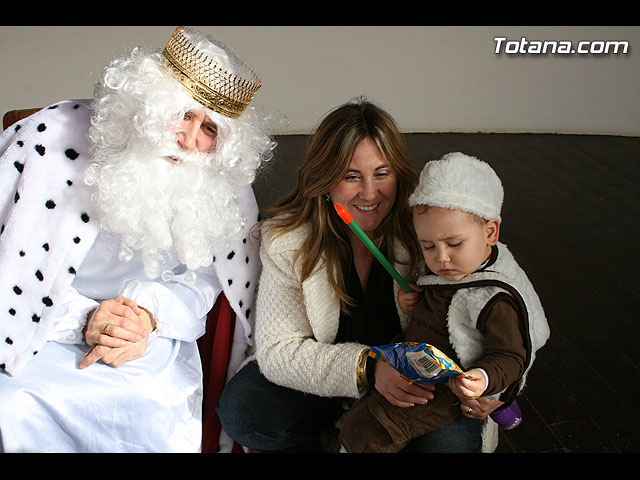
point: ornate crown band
(207, 82)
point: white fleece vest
(505, 275)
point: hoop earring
(327, 198)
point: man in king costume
(124, 221)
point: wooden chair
(12, 116)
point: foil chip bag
(418, 362)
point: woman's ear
(492, 230)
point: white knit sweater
(294, 335)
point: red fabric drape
(215, 348)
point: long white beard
(167, 212)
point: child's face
(453, 243)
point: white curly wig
(164, 211)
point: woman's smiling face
(368, 189)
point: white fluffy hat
(460, 182)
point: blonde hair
(326, 161)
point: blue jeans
(267, 417)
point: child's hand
(407, 301)
(466, 389)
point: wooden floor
(571, 218)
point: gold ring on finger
(470, 411)
(106, 329)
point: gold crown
(206, 81)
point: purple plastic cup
(508, 417)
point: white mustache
(178, 156)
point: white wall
(430, 78)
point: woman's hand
(480, 407)
(397, 389)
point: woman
(323, 298)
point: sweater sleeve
(287, 347)
(505, 353)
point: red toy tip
(344, 214)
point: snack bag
(418, 362)
(424, 363)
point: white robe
(152, 404)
